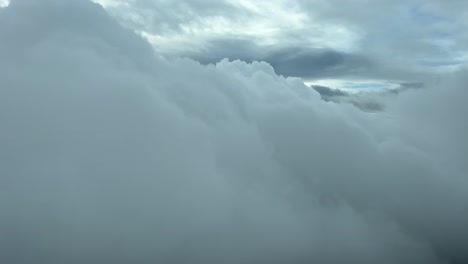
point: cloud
(293, 61)
(111, 153)
(426, 36)
(369, 100)
(401, 32)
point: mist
(112, 153)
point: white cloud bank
(110, 154)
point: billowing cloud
(110, 153)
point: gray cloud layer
(289, 61)
(370, 101)
(110, 154)
(426, 36)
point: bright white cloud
(4, 3)
(110, 154)
(265, 22)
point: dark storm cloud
(288, 61)
(110, 154)
(317, 63)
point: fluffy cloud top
(112, 154)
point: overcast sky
(313, 39)
(120, 142)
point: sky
(184, 132)
(321, 41)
